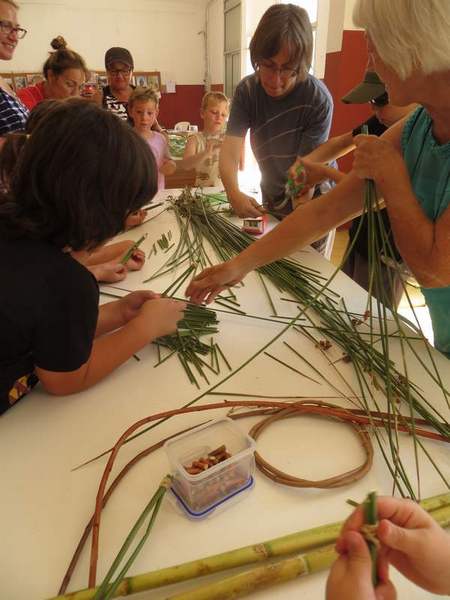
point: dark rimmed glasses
(284, 73)
(119, 72)
(7, 27)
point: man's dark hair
(80, 174)
(284, 24)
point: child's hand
(136, 261)
(160, 316)
(414, 543)
(168, 167)
(135, 219)
(110, 272)
(351, 574)
(131, 304)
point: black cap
(372, 87)
(117, 54)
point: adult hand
(136, 261)
(131, 304)
(160, 316)
(376, 158)
(211, 281)
(415, 544)
(351, 574)
(245, 206)
(135, 219)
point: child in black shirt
(67, 194)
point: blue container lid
(249, 484)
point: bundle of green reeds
(366, 347)
(198, 321)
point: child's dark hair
(38, 112)
(80, 174)
(9, 156)
(63, 59)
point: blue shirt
(428, 164)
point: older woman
(64, 74)
(409, 47)
(13, 114)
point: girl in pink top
(143, 111)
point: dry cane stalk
(299, 542)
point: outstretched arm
(306, 224)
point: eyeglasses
(284, 73)
(380, 101)
(120, 72)
(7, 27)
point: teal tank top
(428, 165)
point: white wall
(162, 35)
(348, 24)
(215, 41)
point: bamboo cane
(294, 543)
(263, 577)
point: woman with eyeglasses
(13, 114)
(287, 110)
(64, 75)
(119, 67)
(114, 97)
(409, 48)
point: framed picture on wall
(102, 80)
(34, 78)
(140, 80)
(20, 81)
(148, 79)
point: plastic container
(181, 506)
(200, 493)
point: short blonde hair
(408, 34)
(215, 97)
(143, 94)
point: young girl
(143, 111)
(67, 194)
(203, 148)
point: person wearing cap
(356, 265)
(119, 67)
(409, 163)
(114, 97)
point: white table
(45, 506)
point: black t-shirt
(48, 315)
(374, 128)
